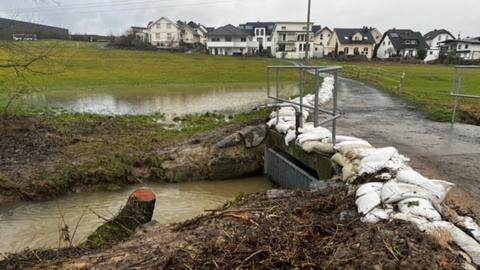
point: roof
(210, 29)
(345, 35)
(432, 34)
(228, 31)
(326, 28)
(474, 40)
(316, 28)
(139, 28)
(250, 27)
(162, 18)
(399, 36)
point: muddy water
(170, 100)
(36, 225)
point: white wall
(434, 46)
(385, 49)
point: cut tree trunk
(138, 210)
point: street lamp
(307, 44)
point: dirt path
(435, 149)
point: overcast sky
(115, 16)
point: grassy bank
(427, 87)
(48, 156)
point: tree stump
(138, 211)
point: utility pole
(307, 44)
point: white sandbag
(291, 136)
(284, 127)
(368, 202)
(439, 187)
(339, 146)
(349, 172)
(314, 134)
(348, 150)
(375, 187)
(471, 226)
(419, 207)
(377, 215)
(393, 192)
(339, 159)
(319, 147)
(467, 243)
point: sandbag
(377, 215)
(368, 202)
(314, 134)
(284, 127)
(393, 192)
(339, 159)
(438, 187)
(369, 188)
(471, 226)
(291, 136)
(339, 146)
(419, 207)
(319, 147)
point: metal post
(316, 105)
(456, 91)
(335, 94)
(302, 92)
(307, 49)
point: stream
(36, 224)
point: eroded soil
(273, 230)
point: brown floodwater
(36, 224)
(169, 100)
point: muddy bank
(271, 230)
(42, 159)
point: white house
(229, 40)
(321, 38)
(201, 30)
(261, 33)
(289, 40)
(164, 33)
(188, 35)
(401, 43)
(433, 39)
(467, 48)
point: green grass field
(87, 65)
(427, 87)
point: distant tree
(422, 54)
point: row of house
(289, 40)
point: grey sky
(115, 16)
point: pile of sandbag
(398, 192)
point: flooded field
(169, 100)
(36, 225)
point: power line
(138, 5)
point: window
(284, 37)
(157, 35)
(243, 39)
(356, 51)
(384, 43)
(228, 39)
(345, 50)
(304, 28)
(284, 28)
(169, 36)
(269, 39)
(169, 25)
(431, 52)
(257, 32)
(414, 42)
(215, 39)
(159, 25)
(365, 50)
(407, 41)
(459, 46)
(466, 46)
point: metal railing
(456, 90)
(304, 71)
(377, 75)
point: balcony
(232, 44)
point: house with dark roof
(401, 43)
(434, 39)
(467, 48)
(261, 33)
(201, 31)
(230, 40)
(353, 41)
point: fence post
(400, 87)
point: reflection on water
(36, 225)
(172, 100)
